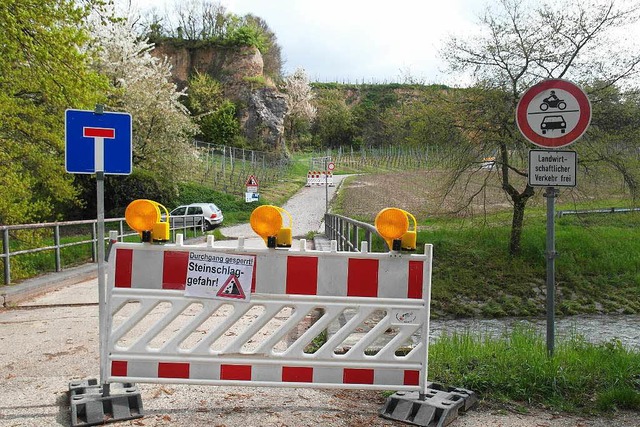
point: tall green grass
(597, 269)
(515, 367)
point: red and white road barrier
(319, 178)
(308, 319)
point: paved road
(306, 207)
(46, 343)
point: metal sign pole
(99, 167)
(551, 194)
(326, 187)
(101, 281)
(110, 153)
(536, 112)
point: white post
(98, 154)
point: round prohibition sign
(553, 114)
(331, 166)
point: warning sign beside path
(251, 181)
(219, 276)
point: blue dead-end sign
(98, 142)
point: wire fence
(227, 168)
(386, 158)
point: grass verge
(515, 368)
(597, 271)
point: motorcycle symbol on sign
(552, 101)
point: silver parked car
(189, 215)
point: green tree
(614, 137)
(141, 85)
(423, 119)
(215, 114)
(248, 34)
(272, 56)
(208, 20)
(368, 113)
(334, 124)
(520, 43)
(43, 71)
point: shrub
(141, 184)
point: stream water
(594, 328)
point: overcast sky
(356, 40)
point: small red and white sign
(554, 113)
(331, 166)
(252, 184)
(231, 289)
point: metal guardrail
(347, 232)
(186, 222)
(560, 214)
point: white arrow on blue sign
(98, 142)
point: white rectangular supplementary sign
(552, 168)
(220, 276)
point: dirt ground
(419, 192)
(427, 193)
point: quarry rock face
(264, 116)
(261, 108)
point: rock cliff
(261, 110)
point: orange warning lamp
(266, 221)
(144, 216)
(392, 224)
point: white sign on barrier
(219, 276)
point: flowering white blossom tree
(301, 111)
(141, 85)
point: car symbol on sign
(552, 123)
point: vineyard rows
(227, 168)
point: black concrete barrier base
(89, 407)
(439, 407)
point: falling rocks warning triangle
(231, 289)
(251, 181)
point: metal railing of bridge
(194, 223)
(349, 233)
